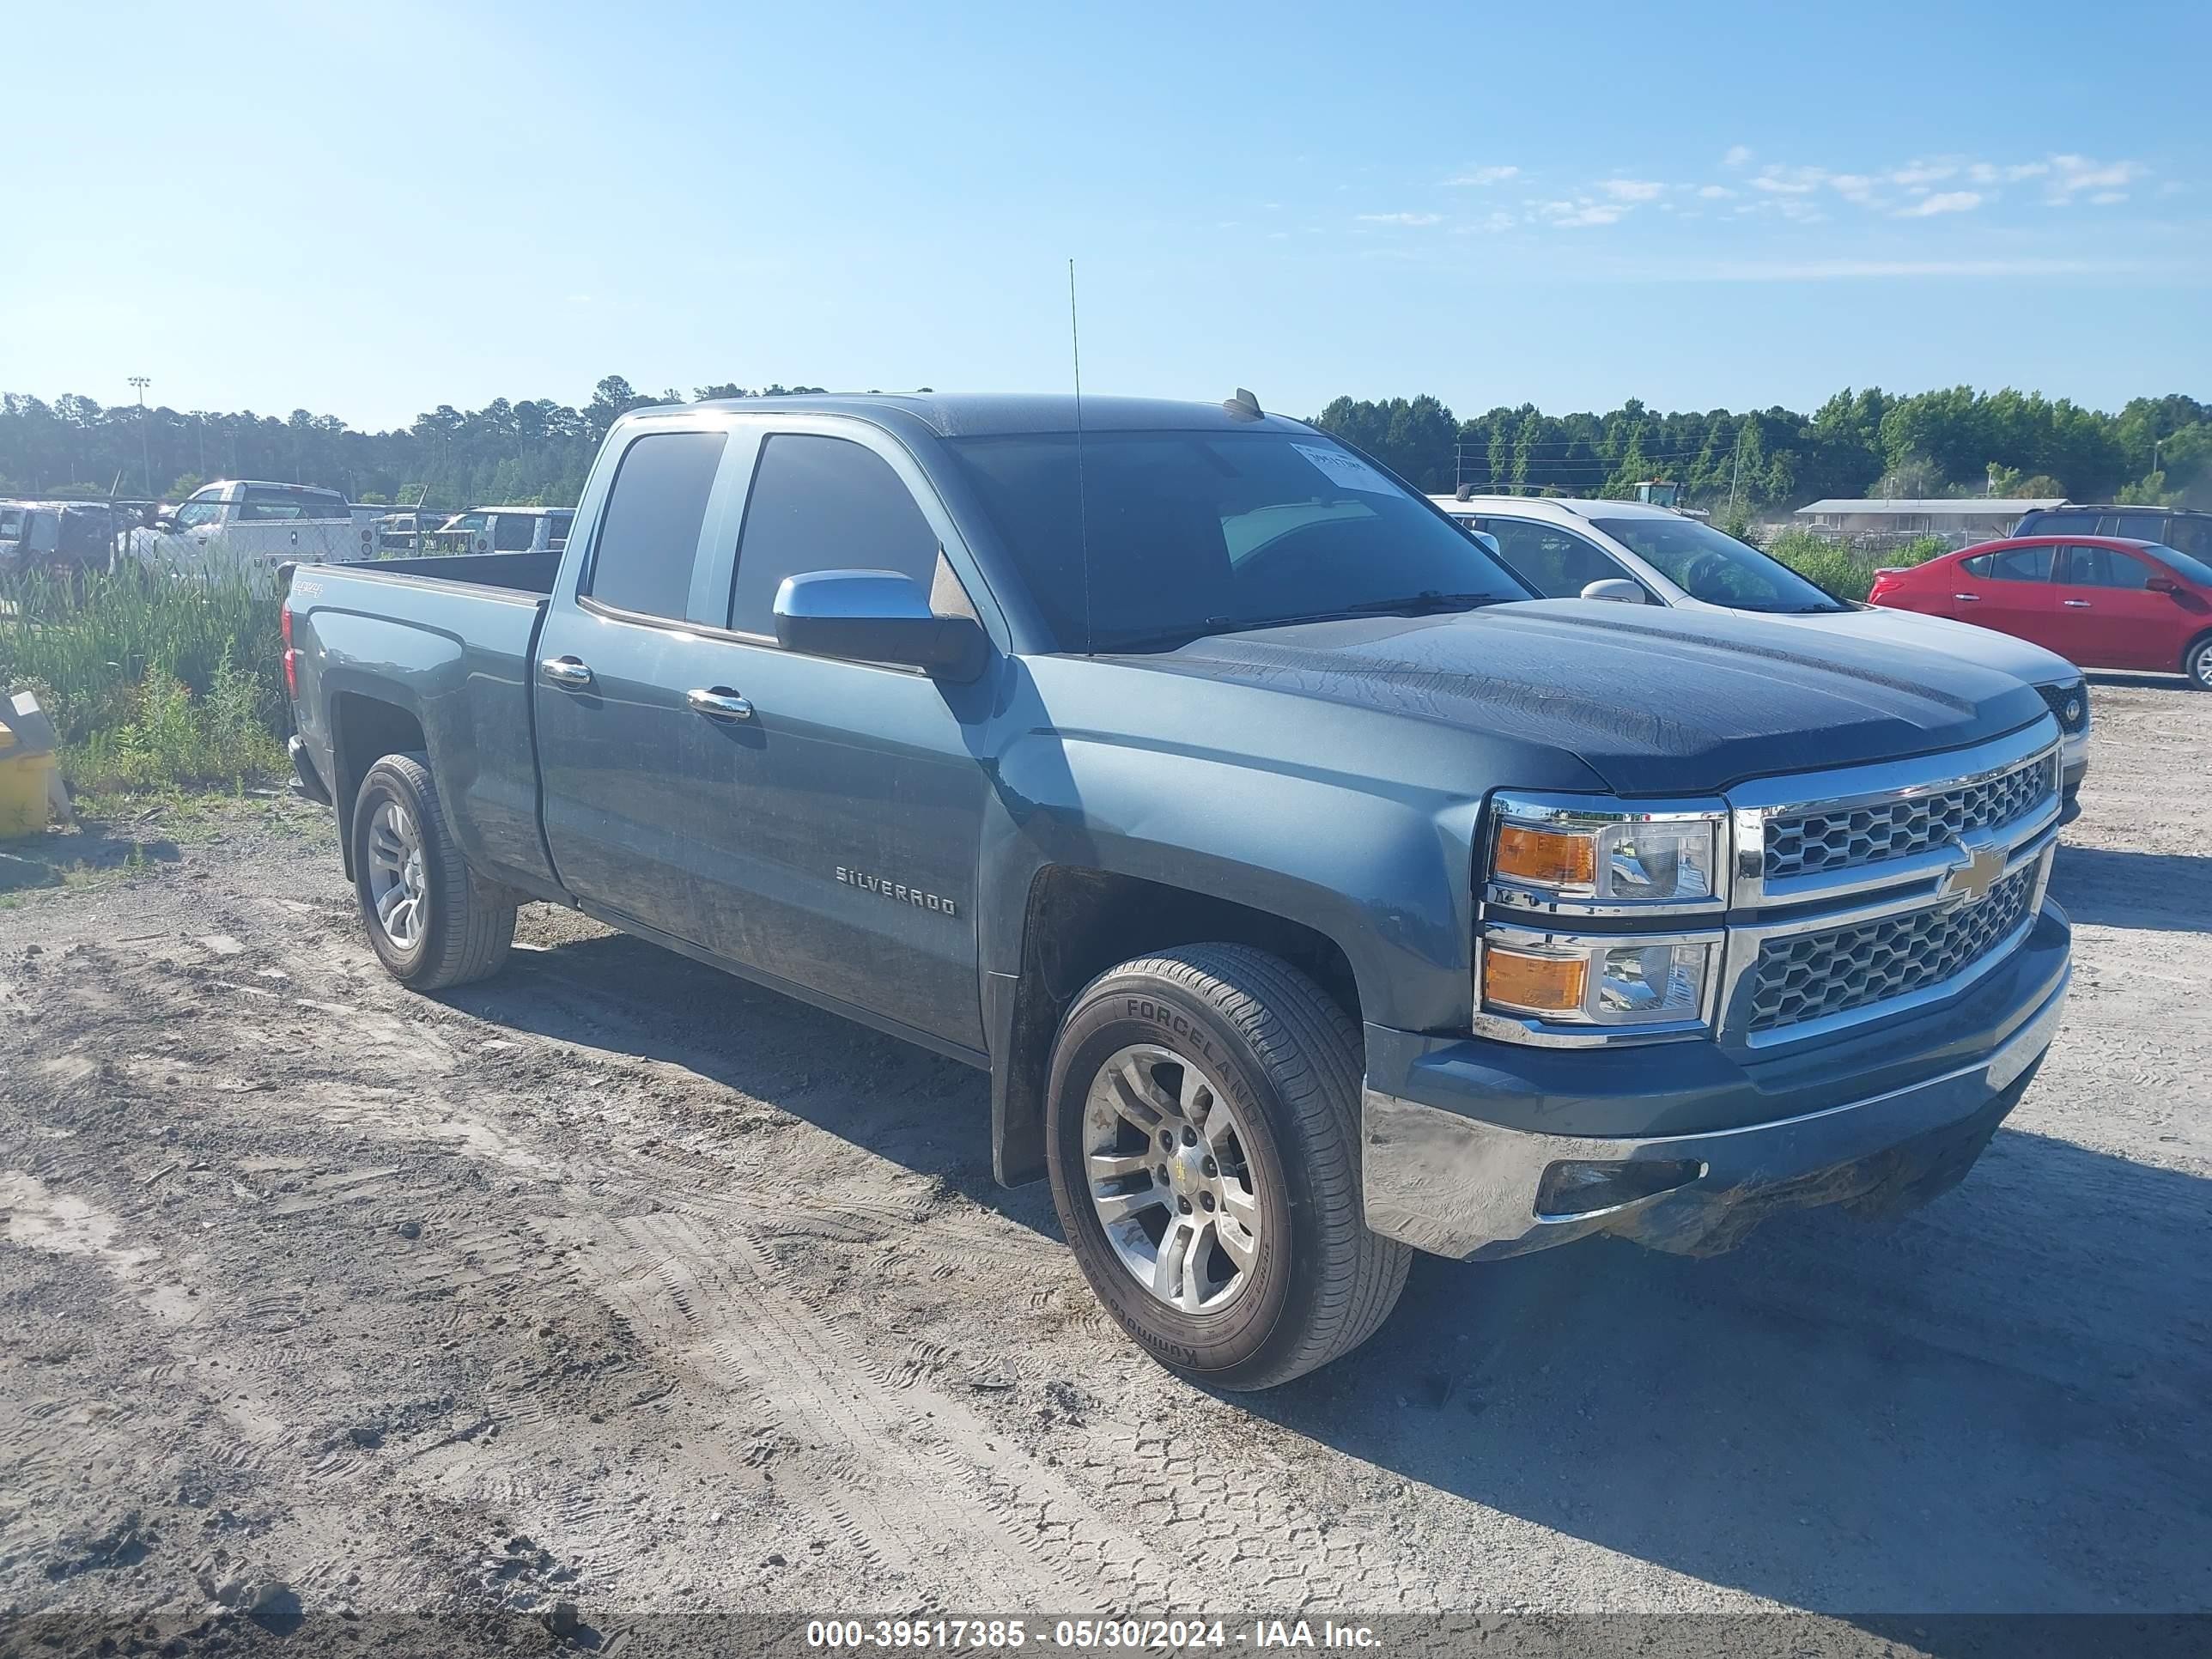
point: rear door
(2007, 589)
(632, 818)
(2108, 616)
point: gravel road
(619, 1283)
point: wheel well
(364, 731)
(1081, 923)
(2188, 650)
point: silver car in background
(1568, 548)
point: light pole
(145, 454)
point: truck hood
(1654, 701)
(2033, 663)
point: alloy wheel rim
(398, 886)
(1167, 1163)
(2204, 667)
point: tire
(2196, 663)
(457, 928)
(1183, 1036)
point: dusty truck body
(1309, 890)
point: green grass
(152, 683)
(1842, 569)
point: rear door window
(510, 532)
(2135, 526)
(823, 504)
(2014, 564)
(2190, 536)
(1555, 563)
(2060, 524)
(648, 536)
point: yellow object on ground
(27, 767)
(25, 784)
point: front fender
(1381, 871)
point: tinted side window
(2018, 564)
(2060, 524)
(2102, 567)
(1556, 564)
(649, 532)
(2192, 536)
(823, 504)
(2136, 526)
(511, 532)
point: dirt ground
(620, 1283)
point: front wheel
(2196, 663)
(1203, 1146)
(431, 923)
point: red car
(2103, 601)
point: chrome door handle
(565, 671)
(2079, 604)
(718, 704)
(1971, 598)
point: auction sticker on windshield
(1349, 471)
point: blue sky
(368, 208)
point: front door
(2108, 616)
(851, 794)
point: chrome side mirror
(875, 616)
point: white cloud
(1925, 173)
(1715, 193)
(2072, 176)
(1401, 218)
(1841, 270)
(1737, 156)
(1788, 181)
(1632, 189)
(2106, 197)
(1854, 187)
(1948, 201)
(1480, 176)
(1573, 215)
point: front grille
(1812, 975)
(2075, 696)
(1843, 838)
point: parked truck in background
(246, 523)
(1311, 892)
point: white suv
(1570, 549)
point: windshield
(1709, 565)
(1205, 532)
(2181, 564)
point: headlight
(1574, 853)
(1550, 859)
(1553, 979)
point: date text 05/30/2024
(1126, 1635)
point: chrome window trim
(1595, 812)
(1745, 943)
(1590, 1032)
(1753, 805)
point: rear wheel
(2196, 663)
(1202, 1141)
(432, 923)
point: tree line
(1956, 441)
(1951, 441)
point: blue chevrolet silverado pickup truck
(1312, 892)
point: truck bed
(449, 643)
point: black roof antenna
(1082, 502)
(1244, 406)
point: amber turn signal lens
(1550, 856)
(1540, 984)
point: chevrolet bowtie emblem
(1971, 882)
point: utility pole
(145, 454)
(1736, 477)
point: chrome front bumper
(1460, 1186)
